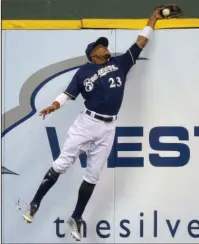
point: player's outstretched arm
(147, 31)
(59, 101)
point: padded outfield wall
(148, 188)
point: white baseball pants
(89, 135)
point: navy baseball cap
(100, 41)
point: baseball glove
(175, 11)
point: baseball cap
(100, 41)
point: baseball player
(101, 83)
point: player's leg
(48, 181)
(97, 158)
(78, 139)
(75, 221)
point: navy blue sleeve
(128, 59)
(74, 87)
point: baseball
(166, 12)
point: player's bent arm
(148, 30)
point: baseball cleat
(30, 213)
(75, 228)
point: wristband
(147, 32)
(62, 99)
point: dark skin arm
(55, 105)
(141, 40)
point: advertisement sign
(148, 189)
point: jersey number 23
(115, 82)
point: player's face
(101, 52)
